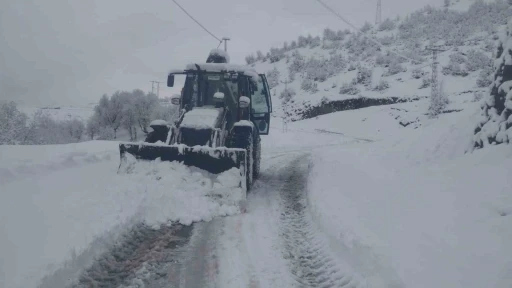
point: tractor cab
(221, 86)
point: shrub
(425, 83)
(287, 94)
(273, 78)
(387, 40)
(387, 24)
(383, 85)
(309, 85)
(395, 68)
(417, 73)
(364, 76)
(455, 69)
(477, 96)
(250, 59)
(349, 89)
(477, 60)
(484, 78)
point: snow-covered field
(401, 206)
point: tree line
(132, 111)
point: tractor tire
(245, 141)
(256, 156)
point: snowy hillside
(391, 61)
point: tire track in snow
(200, 263)
(307, 253)
(145, 257)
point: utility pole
(157, 88)
(285, 108)
(226, 39)
(286, 84)
(378, 17)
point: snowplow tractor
(225, 109)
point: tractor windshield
(200, 88)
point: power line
(191, 17)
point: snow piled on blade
(201, 118)
(175, 192)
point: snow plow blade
(213, 160)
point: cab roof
(220, 67)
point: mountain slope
(345, 64)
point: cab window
(259, 98)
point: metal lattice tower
(378, 17)
(437, 99)
(435, 73)
(157, 87)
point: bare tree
(144, 106)
(93, 126)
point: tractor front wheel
(244, 140)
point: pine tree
(495, 126)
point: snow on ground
(392, 190)
(22, 162)
(63, 197)
(412, 203)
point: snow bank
(18, 162)
(53, 214)
(201, 118)
(412, 208)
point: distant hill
(346, 64)
(60, 113)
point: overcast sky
(70, 52)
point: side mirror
(170, 80)
(176, 99)
(218, 97)
(244, 102)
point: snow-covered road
(274, 244)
